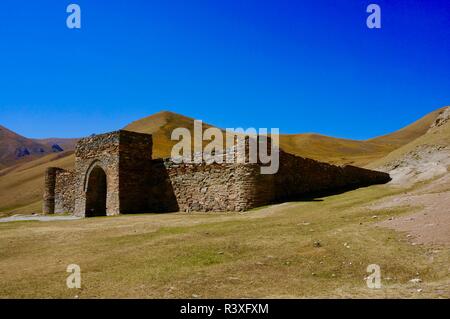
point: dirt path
(430, 224)
(41, 218)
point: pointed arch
(96, 189)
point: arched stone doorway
(96, 190)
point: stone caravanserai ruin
(115, 174)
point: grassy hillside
(410, 132)
(333, 150)
(360, 153)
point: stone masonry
(115, 174)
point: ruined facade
(115, 174)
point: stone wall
(135, 183)
(125, 157)
(239, 187)
(135, 154)
(49, 190)
(159, 189)
(216, 187)
(59, 191)
(97, 151)
(64, 192)
(300, 177)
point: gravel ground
(430, 222)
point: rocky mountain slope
(425, 157)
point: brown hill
(161, 125)
(16, 149)
(333, 150)
(66, 144)
(410, 132)
(360, 153)
(316, 146)
(21, 184)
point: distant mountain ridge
(15, 148)
(316, 146)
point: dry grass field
(317, 248)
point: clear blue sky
(302, 66)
